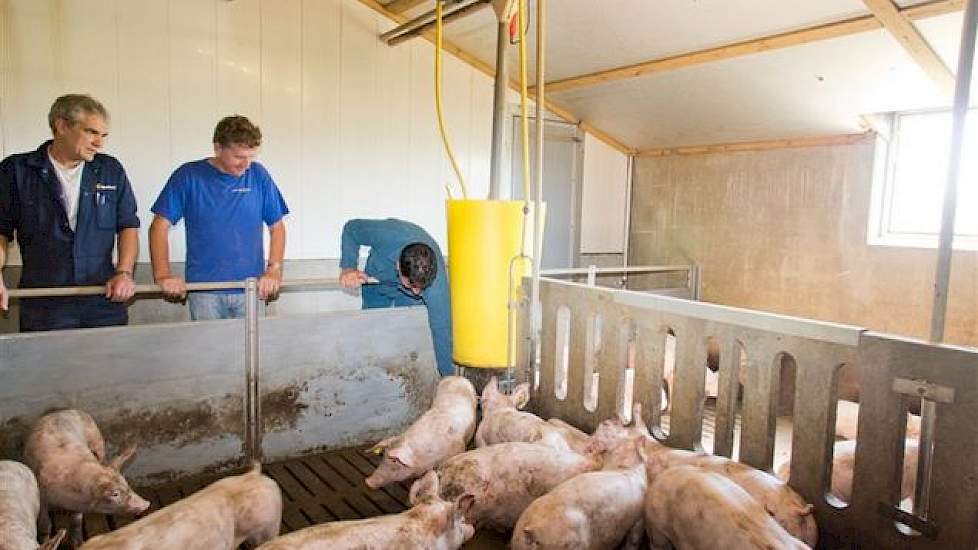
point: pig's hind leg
(635, 536)
(75, 534)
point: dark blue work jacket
(31, 206)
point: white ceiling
(813, 89)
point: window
(908, 189)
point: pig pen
(309, 393)
(603, 349)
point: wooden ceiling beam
(767, 43)
(738, 146)
(401, 6)
(490, 71)
(902, 29)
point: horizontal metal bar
(614, 270)
(771, 322)
(417, 25)
(54, 292)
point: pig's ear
(424, 489)
(463, 504)
(402, 454)
(491, 387)
(637, 419)
(53, 542)
(384, 443)
(521, 395)
(642, 453)
(119, 462)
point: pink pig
(786, 506)
(20, 503)
(681, 497)
(503, 422)
(594, 510)
(239, 509)
(66, 452)
(431, 523)
(844, 459)
(505, 478)
(441, 432)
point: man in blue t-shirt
(224, 199)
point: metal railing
(592, 272)
(69, 291)
(252, 408)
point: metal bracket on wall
(924, 390)
(897, 514)
(929, 394)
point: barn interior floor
(330, 486)
(315, 489)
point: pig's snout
(372, 482)
(137, 505)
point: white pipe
(962, 96)
(536, 313)
(629, 180)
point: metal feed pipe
(962, 96)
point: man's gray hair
(70, 107)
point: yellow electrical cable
(441, 121)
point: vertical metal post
(592, 275)
(536, 310)
(962, 96)
(252, 397)
(629, 177)
(498, 112)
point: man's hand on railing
(174, 288)
(269, 282)
(121, 287)
(351, 278)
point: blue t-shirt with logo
(224, 216)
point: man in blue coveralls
(411, 271)
(69, 206)
(225, 199)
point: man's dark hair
(237, 130)
(419, 264)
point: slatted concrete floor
(315, 489)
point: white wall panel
(240, 36)
(604, 197)
(281, 102)
(87, 51)
(29, 81)
(424, 165)
(193, 97)
(349, 123)
(394, 100)
(317, 212)
(141, 114)
(360, 127)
